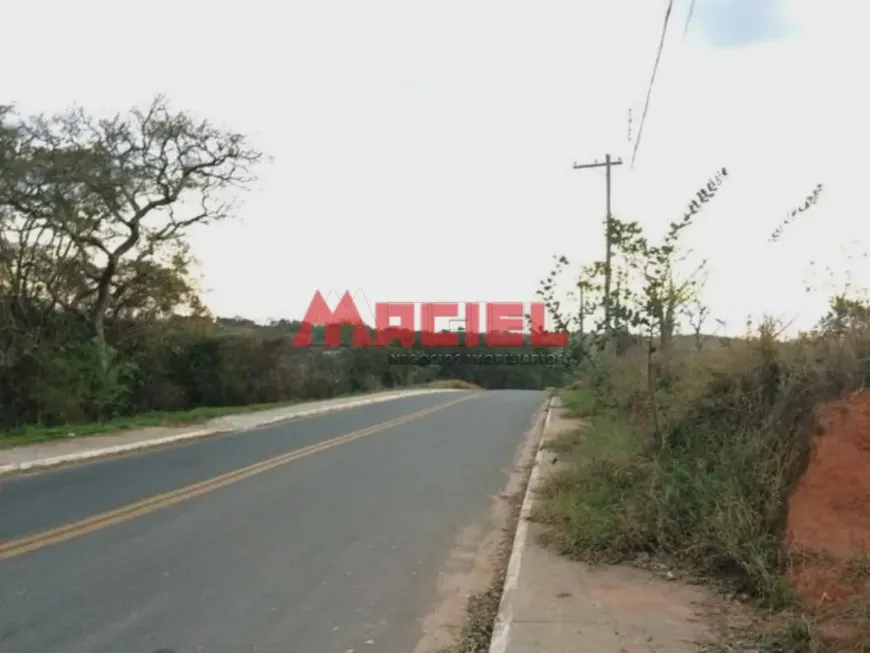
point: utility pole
(608, 233)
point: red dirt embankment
(829, 513)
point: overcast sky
(423, 151)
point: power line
(652, 80)
(689, 18)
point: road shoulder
(470, 583)
(551, 603)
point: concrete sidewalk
(552, 604)
(75, 449)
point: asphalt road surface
(282, 539)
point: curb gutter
(204, 432)
(501, 628)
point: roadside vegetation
(101, 323)
(697, 450)
(34, 434)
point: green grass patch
(34, 434)
(593, 500)
(565, 442)
(707, 509)
(580, 402)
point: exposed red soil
(829, 513)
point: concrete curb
(81, 456)
(501, 629)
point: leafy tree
(103, 200)
(844, 316)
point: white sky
(423, 151)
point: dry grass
(710, 489)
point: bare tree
(697, 314)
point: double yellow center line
(30, 543)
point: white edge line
(200, 433)
(501, 629)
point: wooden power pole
(608, 234)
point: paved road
(317, 551)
